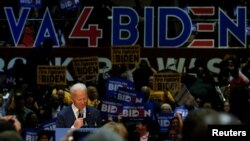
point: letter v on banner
(92, 33)
(16, 26)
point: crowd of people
(23, 106)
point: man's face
(60, 94)
(79, 98)
(140, 127)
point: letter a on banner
(46, 30)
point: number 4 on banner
(92, 33)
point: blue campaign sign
(49, 125)
(113, 84)
(30, 134)
(164, 120)
(137, 111)
(130, 96)
(111, 107)
(79, 134)
(183, 110)
(30, 3)
(69, 4)
(33, 134)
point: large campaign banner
(122, 32)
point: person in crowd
(175, 125)
(27, 40)
(10, 122)
(195, 125)
(117, 127)
(10, 136)
(166, 108)
(175, 128)
(207, 104)
(6, 125)
(56, 105)
(204, 86)
(239, 100)
(43, 136)
(160, 95)
(18, 108)
(177, 122)
(142, 73)
(227, 107)
(32, 121)
(31, 101)
(147, 99)
(172, 134)
(144, 131)
(235, 76)
(246, 68)
(122, 71)
(2, 106)
(64, 96)
(93, 96)
(78, 114)
(199, 103)
(126, 72)
(53, 106)
(104, 135)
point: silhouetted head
(195, 125)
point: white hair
(166, 106)
(78, 86)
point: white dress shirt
(76, 111)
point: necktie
(80, 114)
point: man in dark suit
(78, 114)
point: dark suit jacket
(66, 117)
